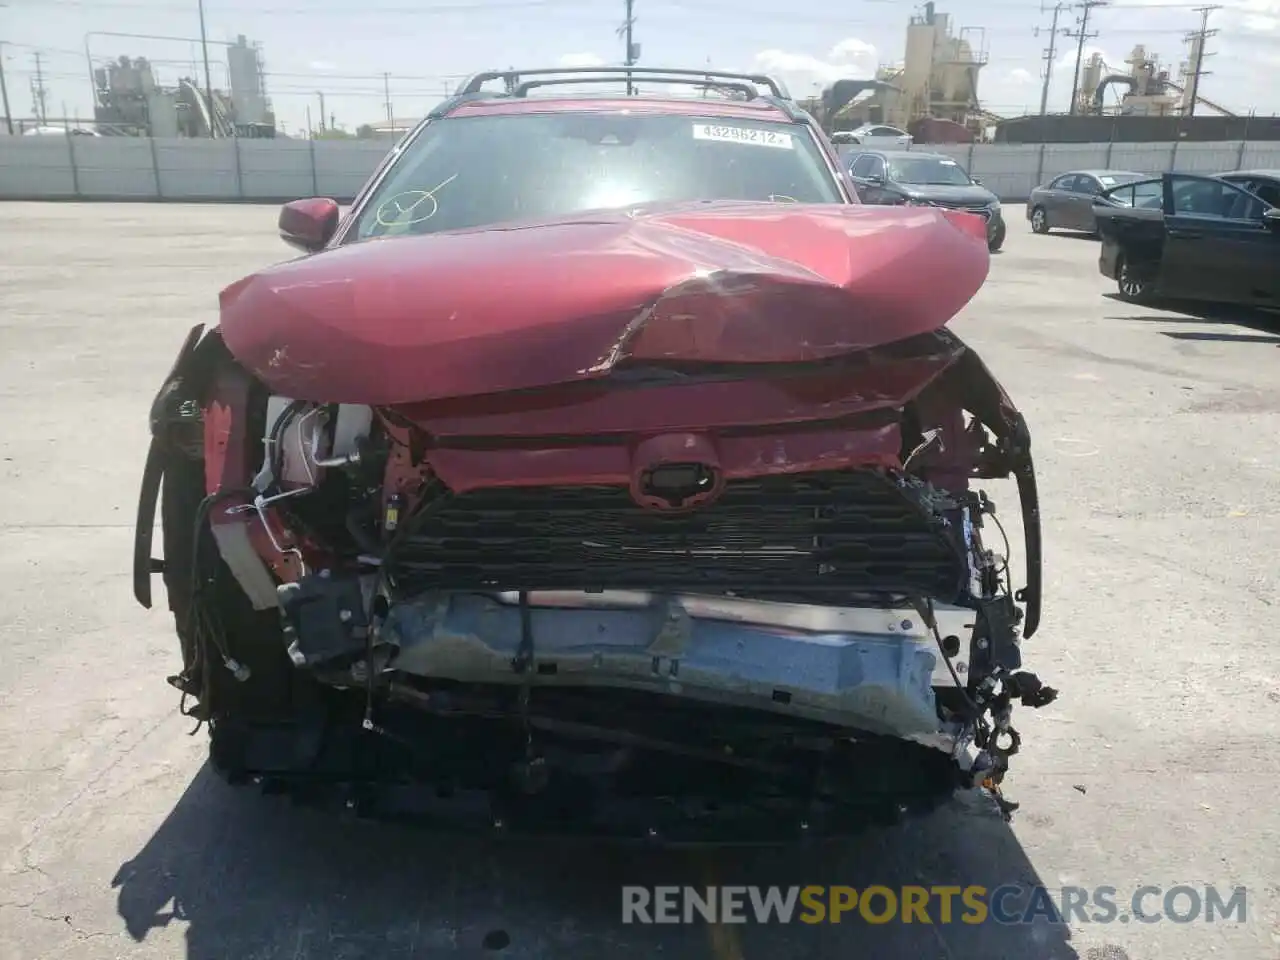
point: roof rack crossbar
(474, 83)
(746, 89)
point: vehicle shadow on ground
(252, 876)
(1266, 324)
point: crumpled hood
(524, 306)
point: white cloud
(1068, 59)
(581, 60)
(851, 58)
(321, 65)
(1020, 77)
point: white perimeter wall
(129, 168)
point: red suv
(607, 469)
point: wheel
(1133, 287)
(996, 242)
(1039, 221)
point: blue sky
(343, 47)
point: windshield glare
(928, 170)
(465, 172)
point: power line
(1048, 58)
(1082, 35)
(1197, 67)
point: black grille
(788, 537)
(982, 211)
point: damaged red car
(606, 470)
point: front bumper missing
(862, 668)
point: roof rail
(746, 89)
(615, 73)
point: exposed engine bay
(768, 635)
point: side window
(868, 165)
(1216, 199)
(1265, 190)
(1268, 192)
(1088, 184)
(1123, 195)
(1148, 194)
(1063, 182)
(886, 132)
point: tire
(1039, 220)
(996, 242)
(1131, 287)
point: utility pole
(631, 49)
(1082, 35)
(320, 94)
(1197, 66)
(1048, 58)
(386, 91)
(4, 93)
(208, 81)
(38, 92)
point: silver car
(875, 135)
(1066, 201)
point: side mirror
(309, 224)
(977, 180)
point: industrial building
(933, 94)
(128, 100)
(1142, 104)
(937, 79)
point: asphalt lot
(1156, 441)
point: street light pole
(208, 81)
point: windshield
(928, 170)
(464, 172)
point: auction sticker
(749, 135)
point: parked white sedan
(875, 135)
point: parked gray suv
(932, 179)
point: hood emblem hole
(675, 484)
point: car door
(1130, 221)
(1219, 243)
(1076, 206)
(1057, 196)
